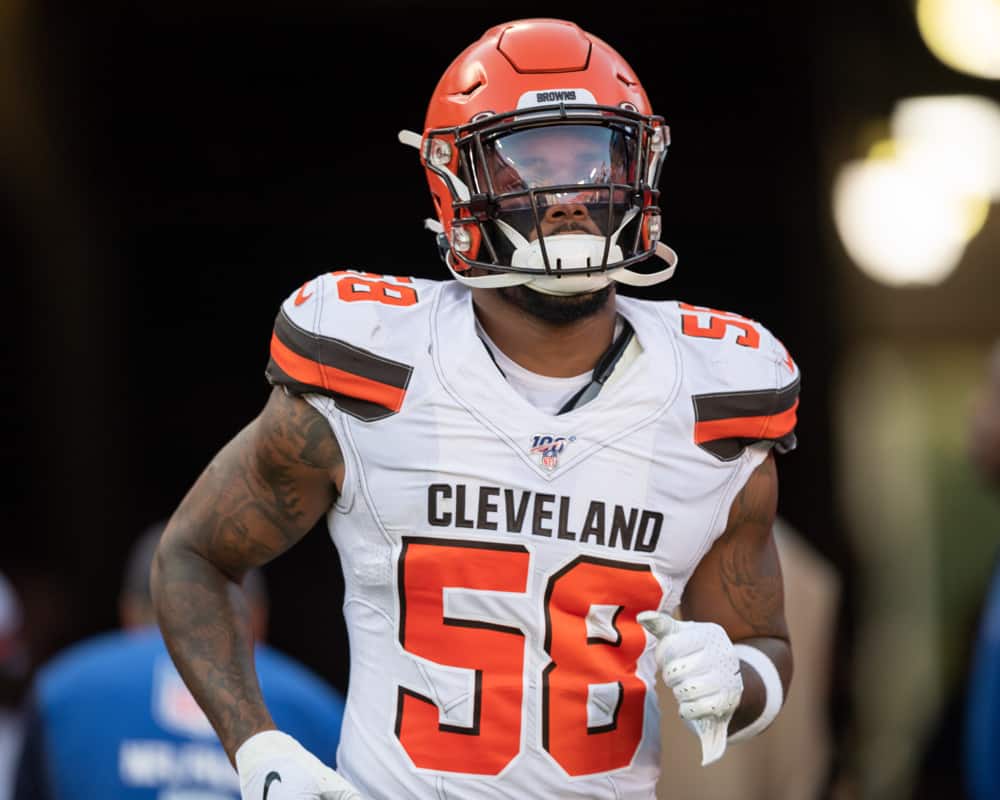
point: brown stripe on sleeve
(361, 383)
(340, 355)
(726, 422)
(745, 404)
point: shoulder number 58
(717, 325)
(391, 290)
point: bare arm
(738, 586)
(260, 495)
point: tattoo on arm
(749, 569)
(258, 497)
(738, 585)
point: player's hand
(273, 766)
(699, 664)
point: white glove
(273, 766)
(699, 664)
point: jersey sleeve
(745, 383)
(324, 344)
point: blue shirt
(982, 720)
(111, 718)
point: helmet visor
(561, 178)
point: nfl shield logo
(548, 448)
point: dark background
(176, 169)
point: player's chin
(557, 309)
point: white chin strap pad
(565, 252)
(578, 250)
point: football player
(524, 473)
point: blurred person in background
(110, 718)
(981, 748)
(960, 755)
(793, 759)
(13, 669)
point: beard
(557, 309)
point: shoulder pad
(744, 384)
(327, 338)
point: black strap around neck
(605, 366)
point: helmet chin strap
(580, 284)
(571, 284)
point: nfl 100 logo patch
(548, 447)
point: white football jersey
(495, 557)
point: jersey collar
(638, 393)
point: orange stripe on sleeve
(305, 370)
(770, 427)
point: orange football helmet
(543, 158)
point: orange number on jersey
(589, 669)
(602, 665)
(355, 286)
(495, 652)
(718, 323)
